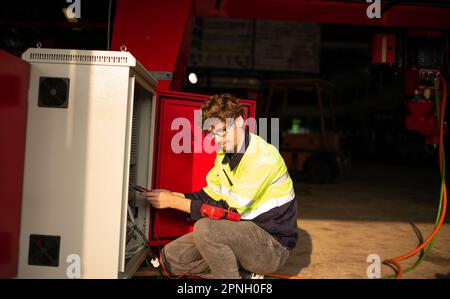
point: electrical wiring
(130, 252)
(140, 233)
(421, 257)
(165, 272)
(420, 238)
(134, 226)
(440, 111)
(192, 268)
(130, 214)
(430, 246)
(163, 267)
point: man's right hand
(162, 199)
(178, 194)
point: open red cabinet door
(179, 172)
(14, 79)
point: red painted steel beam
(322, 11)
(157, 33)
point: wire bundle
(394, 262)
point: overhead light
(193, 78)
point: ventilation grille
(133, 155)
(132, 179)
(44, 250)
(65, 56)
(135, 130)
(53, 92)
(134, 142)
(78, 58)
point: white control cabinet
(89, 137)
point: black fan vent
(53, 92)
(44, 250)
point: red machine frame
(14, 77)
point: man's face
(224, 135)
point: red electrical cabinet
(14, 76)
(179, 172)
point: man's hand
(159, 198)
(163, 199)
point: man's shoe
(249, 275)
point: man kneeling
(250, 183)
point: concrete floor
(368, 211)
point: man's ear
(239, 122)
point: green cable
(430, 246)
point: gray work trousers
(225, 247)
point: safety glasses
(219, 133)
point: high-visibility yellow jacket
(259, 183)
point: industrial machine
(424, 54)
(96, 129)
(425, 63)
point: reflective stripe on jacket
(258, 184)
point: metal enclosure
(95, 127)
(89, 135)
